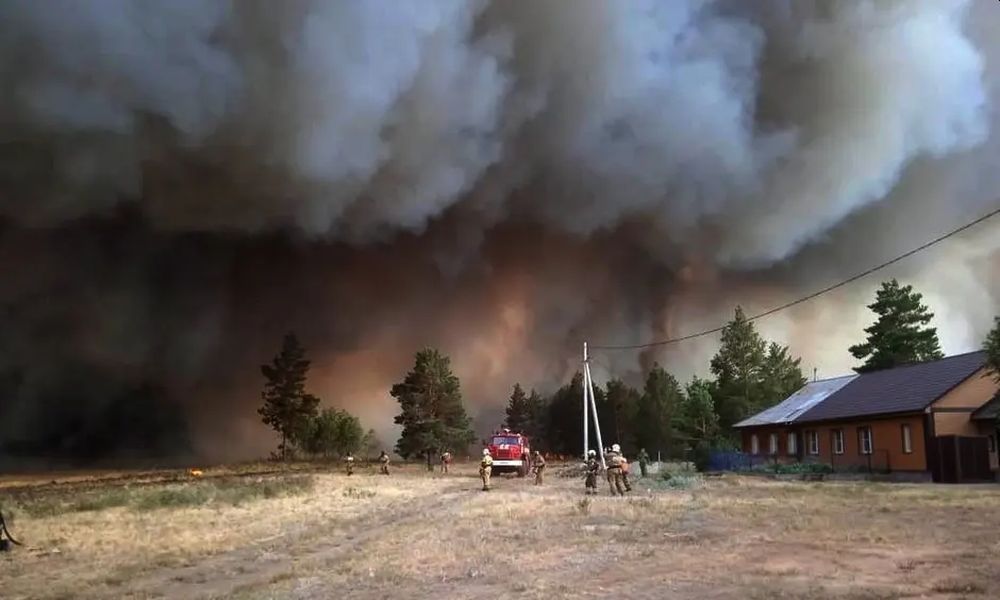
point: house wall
(952, 411)
(972, 393)
(764, 436)
(887, 443)
(992, 430)
(955, 423)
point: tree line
(663, 415)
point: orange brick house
(933, 420)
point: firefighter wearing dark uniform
(383, 459)
(349, 463)
(593, 468)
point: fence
(721, 460)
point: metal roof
(792, 407)
(907, 388)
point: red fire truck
(511, 452)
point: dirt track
(414, 535)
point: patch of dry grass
(418, 535)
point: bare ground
(415, 535)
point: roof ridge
(921, 363)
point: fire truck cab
(511, 452)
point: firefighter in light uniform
(628, 485)
(593, 467)
(349, 463)
(486, 468)
(539, 468)
(613, 459)
(445, 461)
(384, 460)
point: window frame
(906, 437)
(754, 444)
(861, 441)
(792, 444)
(812, 442)
(837, 435)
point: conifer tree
(431, 410)
(287, 406)
(900, 335)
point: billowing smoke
(182, 182)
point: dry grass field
(320, 534)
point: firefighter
(349, 463)
(539, 468)
(643, 459)
(628, 484)
(593, 467)
(445, 461)
(613, 458)
(486, 468)
(383, 459)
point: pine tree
(564, 418)
(738, 368)
(900, 335)
(781, 376)
(432, 414)
(697, 418)
(535, 427)
(992, 348)
(518, 415)
(622, 401)
(655, 411)
(287, 407)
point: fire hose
(5, 532)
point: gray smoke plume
(182, 182)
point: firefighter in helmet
(593, 467)
(383, 459)
(614, 470)
(349, 463)
(445, 461)
(539, 467)
(486, 469)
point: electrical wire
(811, 296)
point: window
(754, 444)
(510, 440)
(864, 440)
(792, 444)
(774, 443)
(813, 438)
(907, 439)
(993, 443)
(838, 441)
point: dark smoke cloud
(184, 181)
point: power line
(825, 290)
